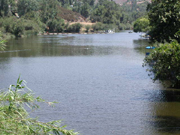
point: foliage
(134, 10)
(55, 25)
(48, 15)
(166, 63)
(6, 6)
(13, 25)
(74, 27)
(141, 25)
(14, 118)
(19, 26)
(87, 27)
(107, 12)
(25, 6)
(98, 26)
(164, 18)
(2, 43)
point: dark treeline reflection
(141, 44)
(161, 96)
(165, 110)
(63, 45)
(167, 124)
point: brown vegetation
(71, 16)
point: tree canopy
(46, 15)
(165, 62)
(141, 25)
(164, 17)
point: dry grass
(83, 23)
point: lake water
(98, 80)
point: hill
(127, 1)
(71, 16)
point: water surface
(97, 79)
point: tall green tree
(85, 10)
(164, 16)
(141, 25)
(2, 42)
(49, 10)
(6, 6)
(25, 6)
(165, 63)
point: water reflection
(165, 110)
(98, 80)
(160, 96)
(166, 124)
(70, 45)
(141, 44)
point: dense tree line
(164, 26)
(162, 20)
(164, 17)
(20, 17)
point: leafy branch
(14, 118)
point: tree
(14, 117)
(141, 25)
(87, 27)
(2, 43)
(6, 6)
(25, 6)
(165, 63)
(49, 10)
(164, 16)
(74, 28)
(85, 10)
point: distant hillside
(120, 1)
(71, 16)
(126, 1)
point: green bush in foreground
(166, 63)
(14, 118)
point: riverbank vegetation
(165, 63)
(16, 103)
(15, 119)
(163, 21)
(29, 17)
(2, 43)
(163, 26)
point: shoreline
(85, 33)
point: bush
(141, 25)
(14, 118)
(87, 27)
(2, 43)
(74, 27)
(166, 63)
(98, 26)
(55, 25)
(13, 25)
(19, 27)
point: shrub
(56, 25)
(98, 26)
(2, 43)
(19, 27)
(14, 118)
(166, 63)
(74, 27)
(87, 28)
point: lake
(98, 81)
